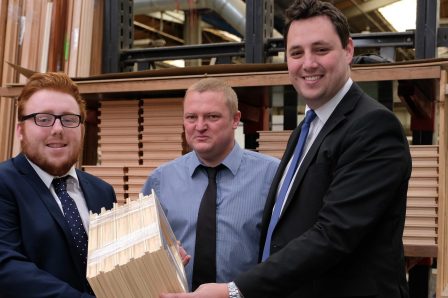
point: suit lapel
(44, 194)
(346, 105)
(41, 192)
(272, 195)
(90, 195)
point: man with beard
(44, 200)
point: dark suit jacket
(37, 255)
(340, 232)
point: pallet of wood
(119, 132)
(420, 235)
(133, 252)
(162, 130)
(137, 176)
(273, 142)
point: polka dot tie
(72, 216)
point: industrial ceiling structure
(176, 23)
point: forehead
(206, 100)
(318, 29)
(51, 101)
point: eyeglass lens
(49, 120)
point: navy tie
(72, 216)
(204, 267)
(310, 115)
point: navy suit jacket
(37, 255)
(340, 231)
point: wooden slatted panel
(273, 142)
(119, 132)
(162, 130)
(420, 232)
(137, 176)
(442, 257)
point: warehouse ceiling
(162, 22)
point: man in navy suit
(339, 232)
(38, 254)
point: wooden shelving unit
(433, 73)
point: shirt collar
(47, 178)
(232, 161)
(324, 112)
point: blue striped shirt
(242, 190)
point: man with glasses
(44, 200)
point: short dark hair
(56, 81)
(304, 9)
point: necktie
(310, 115)
(204, 267)
(72, 216)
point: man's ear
(19, 130)
(236, 120)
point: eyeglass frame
(33, 115)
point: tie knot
(212, 171)
(310, 115)
(60, 183)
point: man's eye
(322, 50)
(44, 119)
(296, 54)
(213, 117)
(70, 119)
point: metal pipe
(232, 11)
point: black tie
(204, 267)
(72, 216)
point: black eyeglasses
(47, 120)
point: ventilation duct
(232, 11)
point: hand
(183, 254)
(204, 291)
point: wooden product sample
(133, 252)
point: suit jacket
(340, 231)
(37, 255)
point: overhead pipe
(232, 11)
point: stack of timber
(137, 136)
(162, 130)
(273, 142)
(119, 132)
(136, 177)
(42, 36)
(133, 252)
(420, 233)
(51, 35)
